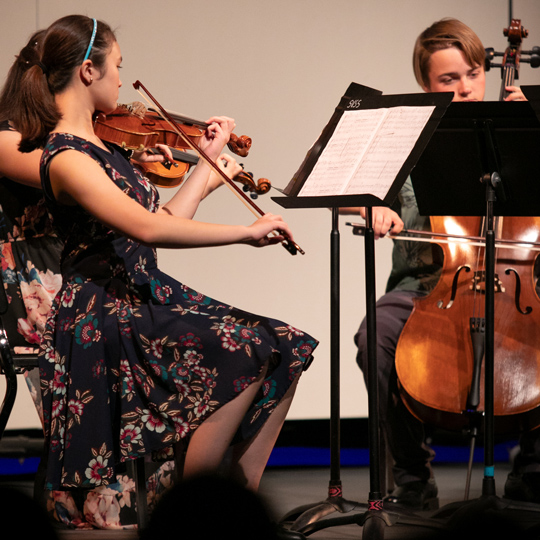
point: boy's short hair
(444, 34)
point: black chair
(137, 470)
(11, 363)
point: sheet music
(366, 151)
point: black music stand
(309, 518)
(497, 174)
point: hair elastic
(91, 41)
(43, 67)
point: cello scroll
(512, 56)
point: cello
(440, 353)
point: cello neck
(510, 64)
(508, 77)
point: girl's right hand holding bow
(268, 230)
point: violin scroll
(260, 187)
(239, 145)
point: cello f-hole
(517, 295)
(440, 303)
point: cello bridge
(478, 283)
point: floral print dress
(132, 360)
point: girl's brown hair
(64, 47)
(29, 55)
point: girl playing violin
(30, 252)
(133, 361)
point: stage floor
(287, 489)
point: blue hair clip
(91, 41)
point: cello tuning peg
(254, 195)
(534, 61)
(534, 55)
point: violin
(292, 247)
(440, 353)
(135, 132)
(133, 127)
(168, 174)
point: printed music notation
(366, 151)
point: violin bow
(287, 243)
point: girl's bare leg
(250, 457)
(210, 441)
